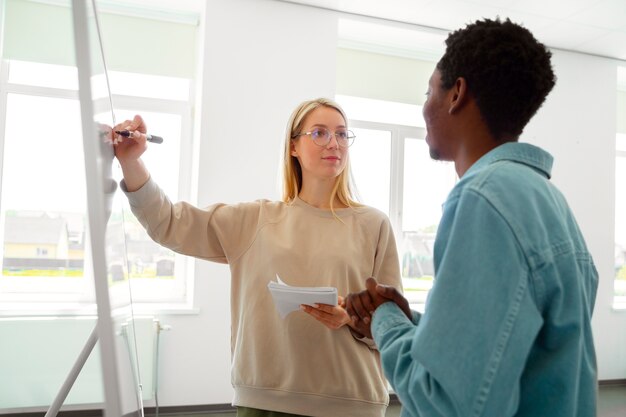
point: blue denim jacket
(507, 325)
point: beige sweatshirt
(294, 365)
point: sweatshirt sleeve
(387, 264)
(218, 233)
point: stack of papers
(288, 298)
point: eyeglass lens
(322, 136)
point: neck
(319, 196)
(475, 141)
(467, 157)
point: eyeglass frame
(350, 136)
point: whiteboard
(115, 328)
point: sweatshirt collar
(339, 212)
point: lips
(331, 158)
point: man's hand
(392, 294)
(361, 306)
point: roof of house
(34, 230)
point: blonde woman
(318, 235)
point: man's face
(436, 116)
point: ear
(292, 149)
(459, 95)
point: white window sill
(12, 310)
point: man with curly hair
(507, 325)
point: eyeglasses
(321, 136)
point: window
(43, 195)
(406, 184)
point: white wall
(262, 58)
(257, 69)
(621, 109)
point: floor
(611, 403)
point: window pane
(161, 159)
(142, 85)
(43, 206)
(426, 186)
(43, 194)
(620, 232)
(370, 160)
(43, 75)
(146, 259)
(43, 202)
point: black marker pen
(149, 138)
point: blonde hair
(292, 171)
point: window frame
(83, 302)
(399, 135)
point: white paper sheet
(288, 298)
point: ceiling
(595, 27)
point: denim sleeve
(394, 333)
(466, 355)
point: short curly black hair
(508, 72)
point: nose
(332, 141)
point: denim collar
(524, 153)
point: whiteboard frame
(95, 168)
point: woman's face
(323, 162)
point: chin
(434, 154)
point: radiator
(37, 353)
